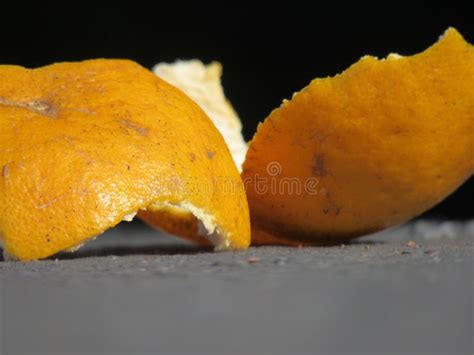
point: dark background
(268, 51)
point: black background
(268, 50)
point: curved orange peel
(86, 145)
(382, 142)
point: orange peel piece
(379, 144)
(202, 83)
(86, 145)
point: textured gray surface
(134, 292)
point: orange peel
(202, 83)
(86, 145)
(381, 143)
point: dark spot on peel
(136, 127)
(5, 171)
(210, 154)
(192, 157)
(319, 165)
(41, 107)
(332, 208)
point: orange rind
(86, 145)
(202, 83)
(379, 144)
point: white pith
(207, 225)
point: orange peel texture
(86, 145)
(380, 143)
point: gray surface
(158, 295)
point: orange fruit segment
(365, 150)
(86, 145)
